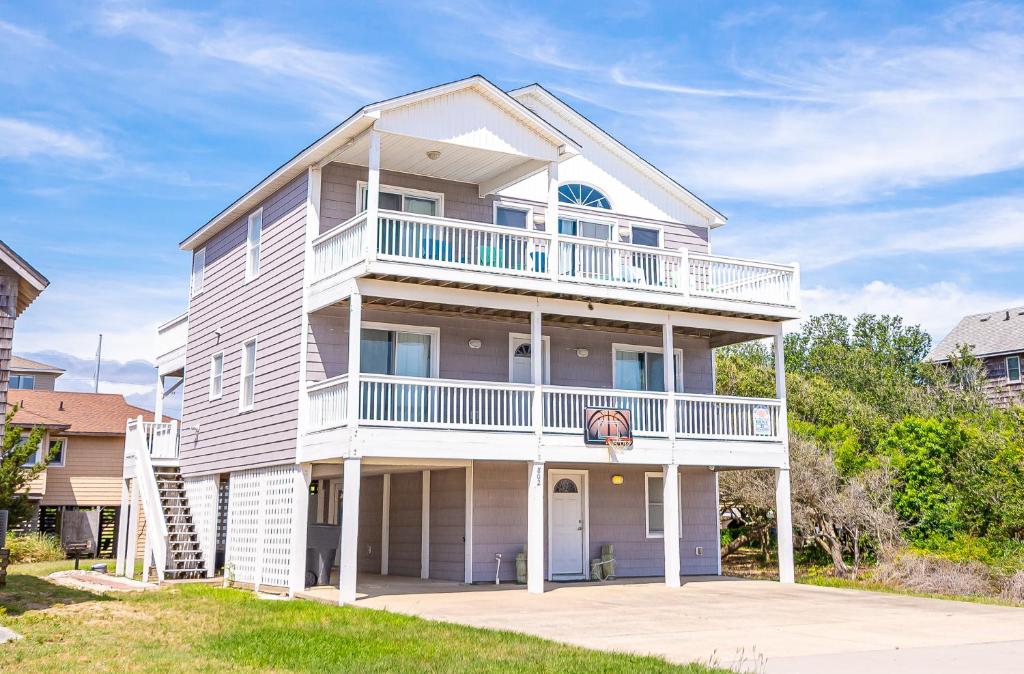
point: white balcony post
(535, 529)
(551, 220)
(158, 407)
(355, 336)
(425, 527)
(300, 523)
(670, 508)
(784, 525)
(132, 544)
(385, 525)
(794, 289)
(537, 373)
(780, 387)
(372, 195)
(349, 531)
(668, 362)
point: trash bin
(319, 561)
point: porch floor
(750, 625)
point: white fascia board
(599, 134)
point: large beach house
(406, 348)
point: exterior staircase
(184, 558)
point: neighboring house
(20, 285)
(32, 375)
(88, 429)
(996, 338)
(392, 340)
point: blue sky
(879, 144)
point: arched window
(579, 194)
(566, 486)
(522, 351)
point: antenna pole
(99, 359)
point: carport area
(756, 626)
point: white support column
(468, 536)
(784, 525)
(148, 561)
(355, 330)
(670, 508)
(425, 527)
(783, 504)
(131, 545)
(372, 195)
(122, 528)
(537, 374)
(158, 407)
(551, 219)
(535, 529)
(669, 374)
(349, 531)
(300, 524)
(385, 526)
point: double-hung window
(1013, 369)
(655, 489)
(25, 382)
(587, 229)
(198, 271)
(512, 216)
(252, 245)
(247, 390)
(57, 452)
(645, 236)
(216, 375)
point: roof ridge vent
(1007, 315)
(60, 407)
(985, 318)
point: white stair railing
(149, 491)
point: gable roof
(989, 334)
(19, 364)
(33, 282)
(75, 413)
(631, 157)
(355, 124)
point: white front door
(520, 358)
(567, 524)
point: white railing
(727, 418)
(564, 406)
(138, 440)
(474, 246)
(463, 245)
(744, 280)
(161, 439)
(339, 247)
(619, 264)
(328, 403)
(444, 403)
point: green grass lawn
(199, 628)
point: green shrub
(29, 548)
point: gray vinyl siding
(617, 516)
(406, 528)
(371, 515)
(448, 524)
(216, 436)
(328, 349)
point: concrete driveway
(755, 626)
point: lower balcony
(478, 419)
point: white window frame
(613, 225)
(643, 225)
(679, 365)
(523, 208)
(21, 378)
(361, 187)
(253, 250)
(242, 406)
(196, 286)
(433, 332)
(545, 341)
(1019, 374)
(63, 454)
(220, 386)
(647, 502)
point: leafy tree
(14, 476)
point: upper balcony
(445, 250)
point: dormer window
(578, 194)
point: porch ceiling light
(433, 155)
(617, 479)
(475, 343)
(582, 353)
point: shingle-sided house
(997, 339)
(413, 348)
(20, 285)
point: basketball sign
(600, 423)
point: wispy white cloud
(23, 139)
(936, 307)
(22, 36)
